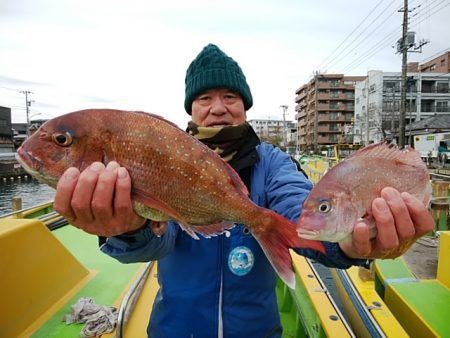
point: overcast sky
(133, 54)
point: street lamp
(284, 107)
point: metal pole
(410, 82)
(27, 108)
(401, 139)
(284, 125)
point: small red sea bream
(174, 176)
(345, 193)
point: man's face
(217, 108)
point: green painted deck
(106, 287)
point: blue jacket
(226, 282)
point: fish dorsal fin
(391, 151)
(159, 117)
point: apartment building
(440, 64)
(377, 102)
(325, 109)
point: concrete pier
(10, 169)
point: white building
(270, 130)
(377, 102)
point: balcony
(301, 115)
(328, 130)
(429, 109)
(301, 95)
(328, 118)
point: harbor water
(30, 190)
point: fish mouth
(31, 164)
(308, 234)
(34, 166)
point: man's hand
(400, 220)
(98, 200)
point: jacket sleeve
(141, 246)
(335, 257)
(286, 190)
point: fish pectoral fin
(210, 230)
(154, 202)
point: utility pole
(27, 107)
(405, 44)
(404, 50)
(284, 107)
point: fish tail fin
(276, 235)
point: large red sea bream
(174, 176)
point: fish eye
(324, 206)
(62, 139)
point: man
(224, 286)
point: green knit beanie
(212, 69)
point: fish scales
(174, 176)
(163, 160)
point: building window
(334, 83)
(334, 93)
(333, 138)
(335, 105)
(391, 86)
(442, 106)
(390, 105)
(334, 126)
(334, 116)
(442, 87)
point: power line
(384, 41)
(348, 36)
(432, 8)
(12, 89)
(330, 64)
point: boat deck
(48, 273)
(111, 279)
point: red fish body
(345, 193)
(174, 176)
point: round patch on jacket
(241, 260)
